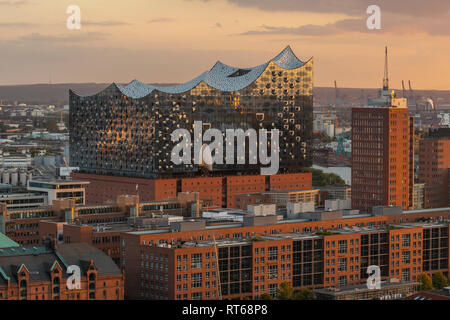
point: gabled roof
(221, 77)
(40, 262)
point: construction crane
(404, 91)
(219, 286)
(386, 71)
(411, 93)
(336, 94)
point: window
(342, 246)
(196, 296)
(406, 240)
(342, 281)
(406, 259)
(342, 264)
(273, 253)
(273, 272)
(196, 280)
(196, 261)
(273, 287)
(405, 275)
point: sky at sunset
(173, 41)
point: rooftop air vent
(239, 73)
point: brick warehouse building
(40, 273)
(71, 223)
(221, 189)
(123, 242)
(434, 165)
(160, 264)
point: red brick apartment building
(220, 189)
(382, 157)
(40, 273)
(256, 258)
(434, 165)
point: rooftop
(362, 287)
(59, 182)
(6, 242)
(220, 76)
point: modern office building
(126, 130)
(238, 263)
(434, 165)
(382, 152)
(24, 200)
(59, 189)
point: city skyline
(159, 42)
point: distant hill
(58, 94)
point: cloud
(14, 2)
(390, 23)
(356, 25)
(105, 23)
(157, 20)
(15, 24)
(417, 8)
(72, 38)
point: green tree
(425, 280)
(51, 125)
(304, 294)
(266, 296)
(285, 292)
(439, 280)
(320, 179)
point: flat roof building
(60, 189)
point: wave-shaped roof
(221, 77)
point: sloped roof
(221, 76)
(40, 262)
(6, 242)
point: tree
(51, 125)
(266, 296)
(439, 280)
(319, 178)
(285, 292)
(425, 280)
(304, 294)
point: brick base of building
(221, 190)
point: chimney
(50, 242)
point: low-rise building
(41, 273)
(390, 290)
